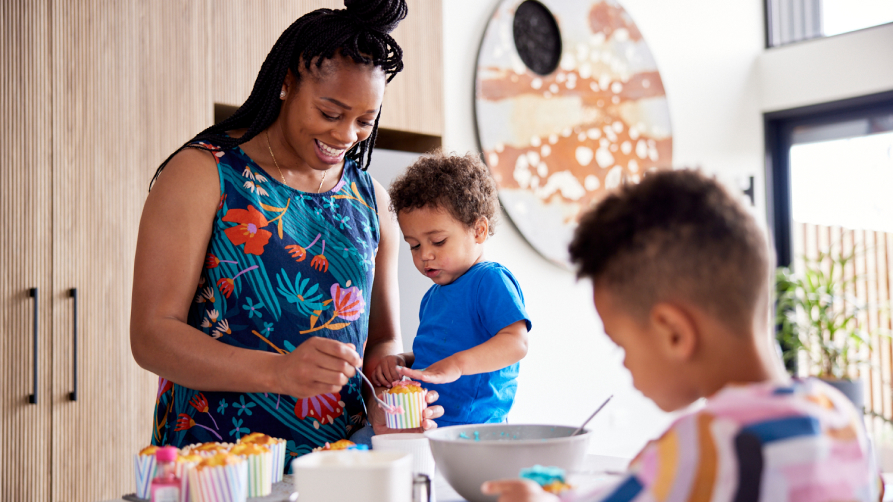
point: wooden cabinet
(26, 251)
(95, 95)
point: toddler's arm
(387, 369)
(505, 348)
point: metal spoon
(392, 410)
(592, 416)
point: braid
(360, 32)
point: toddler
(472, 322)
(681, 280)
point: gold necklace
(270, 148)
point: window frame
(778, 127)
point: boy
(681, 280)
(473, 326)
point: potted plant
(816, 318)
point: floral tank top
(282, 266)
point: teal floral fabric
(282, 266)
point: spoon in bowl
(592, 416)
(390, 410)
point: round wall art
(569, 104)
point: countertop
(442, 490)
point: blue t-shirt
(462, 315)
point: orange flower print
(320, 262)
(297, 252)
(212, 261)
(226, 285)
(222, 200)
(213, 150)
(185, 422)
(200, 403)
(249, 230)
(324, 408)
(300, 252)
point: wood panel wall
(96, 94)
(243, 34)
(25, 202)
(127, 93)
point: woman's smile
(329, 154)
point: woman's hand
(443, 371)
(379, 425)
(387, 370)
(317, 366)
(517, 490)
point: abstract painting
(569, 105)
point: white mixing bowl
(468, 455)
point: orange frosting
(556, 487)
(405, 387)
(188, 458)
(218, 460)
(341, 444)
(149, 450)
(259, 438)
(210, 448)
(249, 449)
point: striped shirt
(803, 442)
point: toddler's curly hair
(460, 184)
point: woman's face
(330, 110)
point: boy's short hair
(676, 235)
(459, 184)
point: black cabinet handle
(74, 351)
(33, 294)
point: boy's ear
(481, 229)
(677, 332)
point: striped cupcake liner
(260, 475)
(226, 483)
(182, 470)
(144, 471)
(278, 450)
(413, 403)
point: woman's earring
(281, 94)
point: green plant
(815, 315)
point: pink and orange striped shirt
(803, 442)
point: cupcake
(185, 462)
(260, 466)
(407, 400)
(550, 478)
(144, 470)
(277, 446)
(219, 478)
(342, 444)
(205, 450)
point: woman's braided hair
(360, 31)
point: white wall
(817, 71)
(719, 80)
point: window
(830, 168)
(791, 21)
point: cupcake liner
(227, 483)
(413, 403)
(144, 471)
(278, 450)
(182, 470)
(260, 475)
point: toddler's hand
(443, 371)
(517, 490)
(386, 372)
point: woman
(266, 261)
